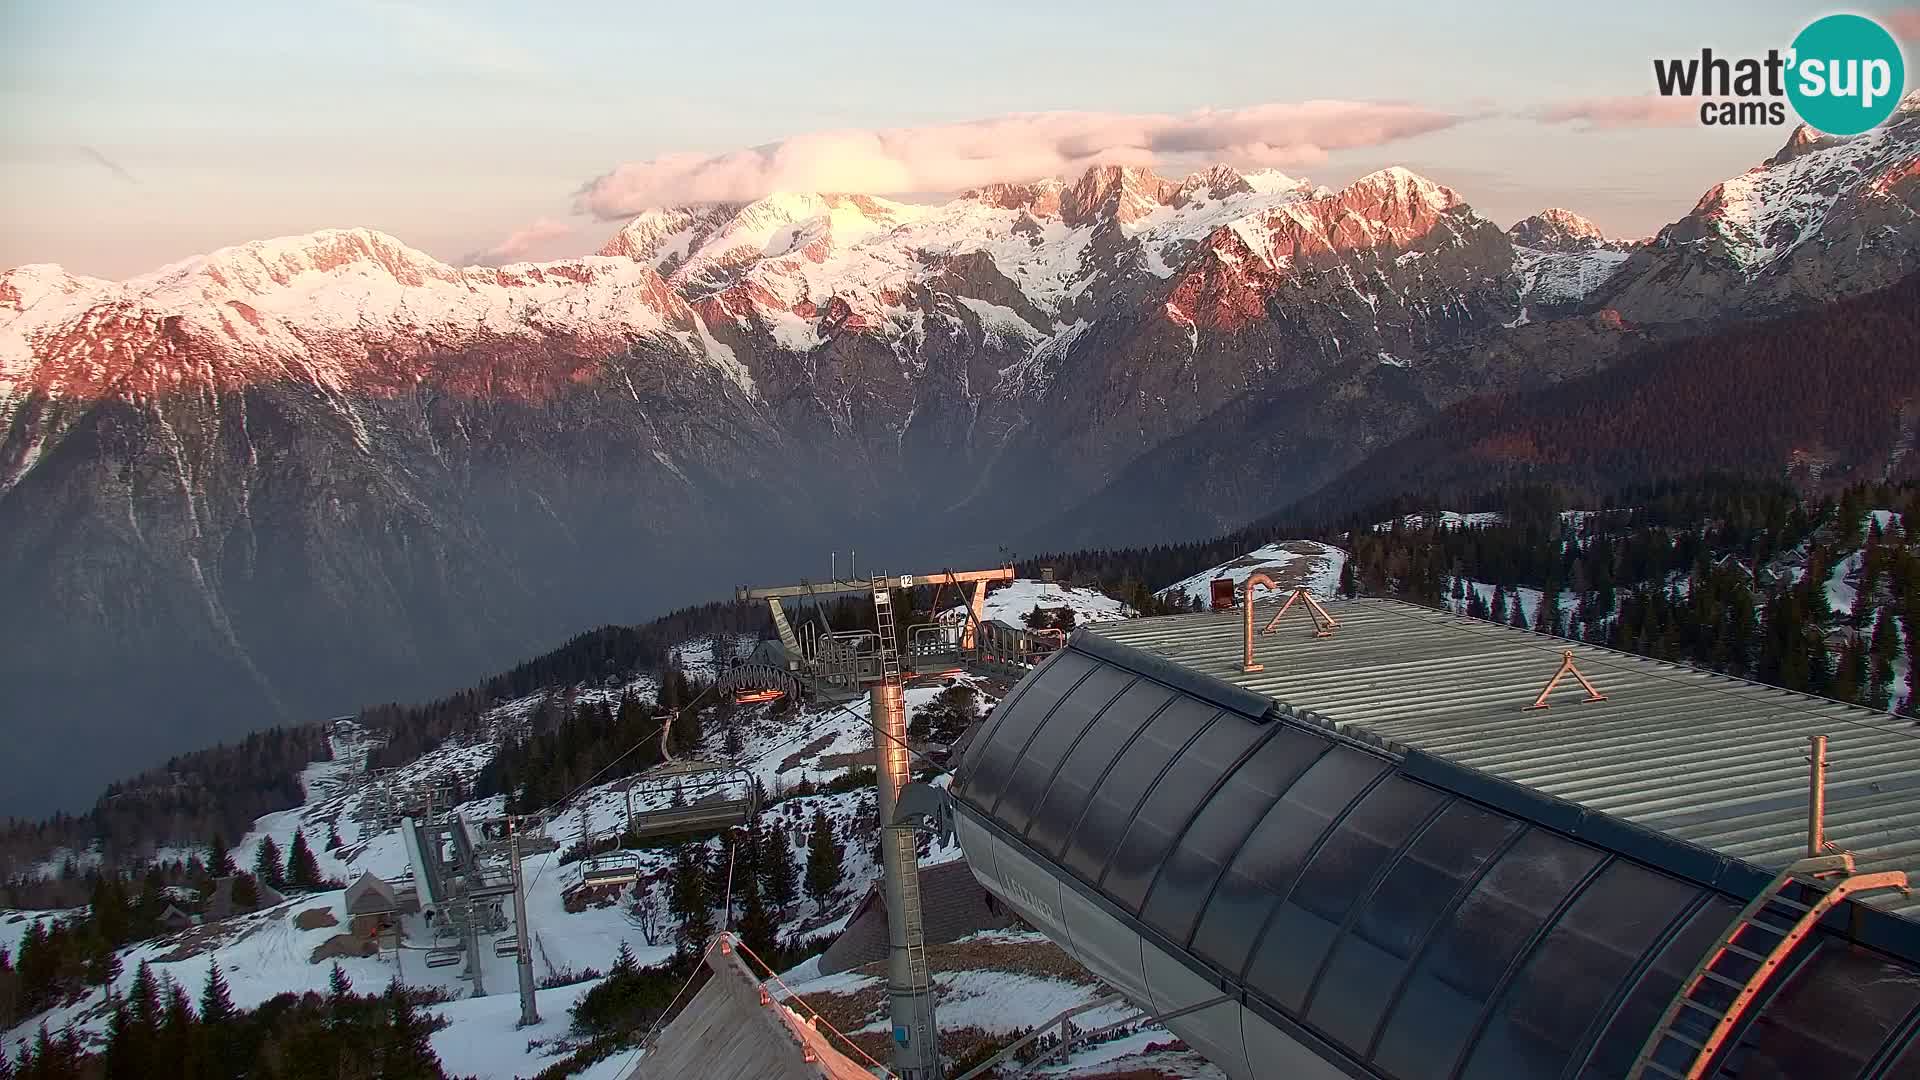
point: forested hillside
(1829, 396)
(1738, 576)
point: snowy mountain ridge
(1182, 354)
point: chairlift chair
(506, 945)
(439, 958)
(935, 649)
(610, 868)
(707, 805)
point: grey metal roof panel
(1704, 758)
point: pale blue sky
(451, 125)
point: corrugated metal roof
(1718, 761)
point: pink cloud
(1603, 114)
(1021, 146)
(520, 243)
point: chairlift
(439, 958)
(707, 803)
(506, 945)
(755, 697)
(935, 649)
(609, 868)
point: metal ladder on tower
(1748, 954)
(915, 930)
(883, 618)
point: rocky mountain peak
(1407, 186)
(265, 265)
(662, 238)
(1124, 192)
(1559, 230)
(1216, 183)
(1041, 198)
(1804, 140)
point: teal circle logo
(1847, 74)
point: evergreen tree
(267, 864)
(333, 838)
(1885, 645)
(1850, 675)
(246, 894)
(340, 998)
(779, 879)
(303, 870)
(177, 1035)
(1519, 621)
(825, 855)
(219, 863)
(120, 1060)
(143, 999)
(339, 986)
(408, 1051)
(1348, 586)
(688, 900)
(216, 1001)
(758, 932)
(1499, 612)
(108, 907)
(624, 965)
(1546, 617)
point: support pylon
(916, 1050)
(529, 1012)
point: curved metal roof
(1712, 760)
(1415, 917)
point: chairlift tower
(916, 1043)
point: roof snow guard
(1331, 903)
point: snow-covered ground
(1003, 1002)
(265, 953)
(15, 924)
(1527, 600)
(1012, 601)
(268, 952)
(1288, 562)
(1451, 519)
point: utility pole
(523, 959)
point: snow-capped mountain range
(437, 469)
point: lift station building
(1374, 858)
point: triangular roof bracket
(1324, 624)
(1567, 668)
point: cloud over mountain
(1020, 146)
(1609, 113)
(522, 243)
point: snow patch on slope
(1289, 563)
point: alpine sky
(496, 131)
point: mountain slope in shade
(1744, 401)
(283, 478)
